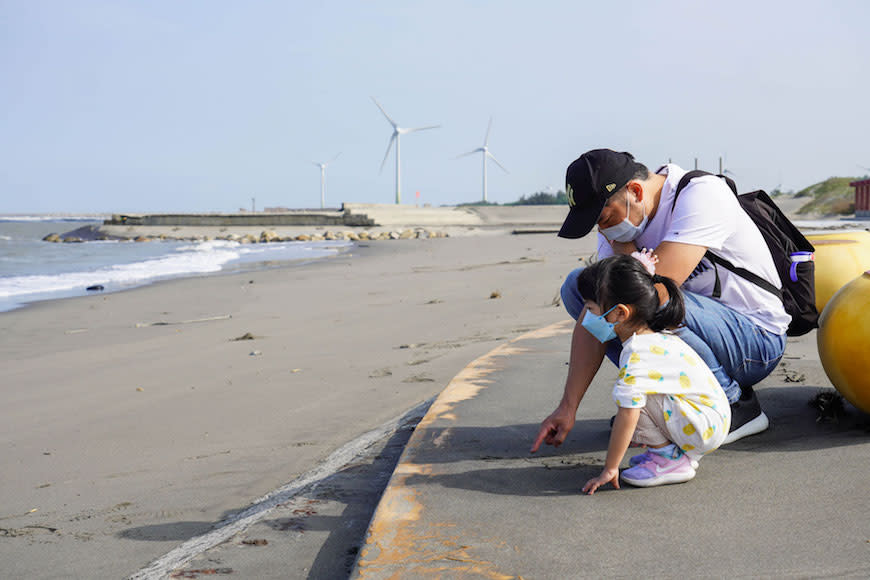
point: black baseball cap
(589, 182)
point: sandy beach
(135, 421)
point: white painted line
(236, 523)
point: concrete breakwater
(335, 218)
(351, 222)
(349, 215)
(359, 215)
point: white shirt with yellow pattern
(696, 413)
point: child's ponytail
(671, 314)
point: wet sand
(123, 436)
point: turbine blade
(336, 157)
(393, 123)
(467, 154)
(387, 154)
(491, 156)
(421, 128)
(488, 127)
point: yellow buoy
(844, 341)
(855, 235)
(838, 262)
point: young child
(668, 399)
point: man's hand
(607, 476)
(555, 428)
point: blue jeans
(739, 352)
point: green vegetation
(542, 198)
(832, 196)
(539, 198)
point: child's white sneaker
(659, 470)
(641, 458)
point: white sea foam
(193, 259)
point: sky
(217, 105)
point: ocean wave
(188, 260)
(118, 275)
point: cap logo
(570, 192)
(610, 187)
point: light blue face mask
(625, 231)
(598, 326)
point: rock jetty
(265, 237)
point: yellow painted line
(395, 547)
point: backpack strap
(684, 181)
(690, 175)
(743, 273)
(717, 260)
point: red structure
(862, 197)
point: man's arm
(586, 356)
(677, 261)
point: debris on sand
(829, 404)
(246, 336)
(256, 542)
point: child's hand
(607, 476)
(647, 258)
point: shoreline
(238, 266)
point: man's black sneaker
(747, 418)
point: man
(740, 333)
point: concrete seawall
(363, 219)
(325, 218)
(360, 215)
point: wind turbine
(322, 167)
(397, 133)
(486, 153)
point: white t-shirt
(708, 214)
(696, 411)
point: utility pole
(253, 205)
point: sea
(32, 270)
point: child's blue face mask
(598, 326)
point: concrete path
(468, 500)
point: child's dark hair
(624, 280)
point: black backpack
(798, 291)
